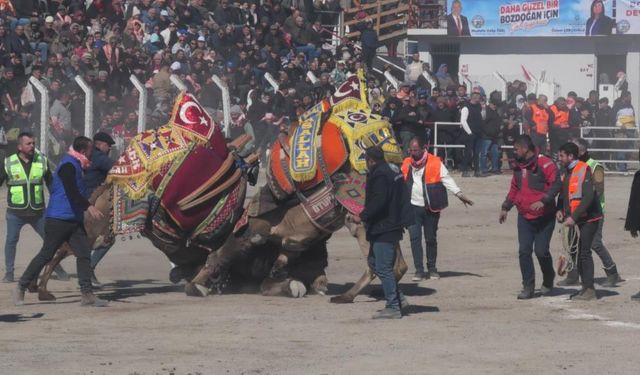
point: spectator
(489, 137)
(443, 77)
(414, 70)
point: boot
(17, 295)
(585, 294)
(572, 278)
(613, 277)
(388, 313)
(90, 299)
(526, 293)
(8, 277)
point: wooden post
(378, 17)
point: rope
(570, 246)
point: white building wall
(633, 77)
(571, 72)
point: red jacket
(537, 179)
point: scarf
(84, 162)
(418, 164)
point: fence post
(142, 103)
(44, 113)
(88, 106)
(177, 82)
(435, 139)
(226, 104)
(272, 82)
(430, 79)
(500, 78)
(341, 30)
(394, 82)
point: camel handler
(64, 222)
(386, 213)
(632, 222)
(94, 176)
(609, 265)
(26, 172)
(533, 191)
(428, 180)
(579, 207)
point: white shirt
(417, 196)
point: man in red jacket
(534, 187)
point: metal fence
(612, 158)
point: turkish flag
(189, 116)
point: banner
(628, 16)
(503, 18)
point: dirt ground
(468, 322)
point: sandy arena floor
(468, 322)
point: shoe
(60, 274)
(90, 299)
(94, 280)
(497, 172)
(17, 295)
(404, 303)
(569, 281)
(418, 276)
(546, 291)
(387, 313)
(585, 294)
(434, 275)
(466, 174)
(526, 293)
(636, 297)
(8, 277)
(483, 174)
(612, 280)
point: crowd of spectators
(107, 41)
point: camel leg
(220, 260)
(63, 252)
(351, 294)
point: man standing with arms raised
(534, 187)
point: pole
(177, 82)
(88, 106)
(44, 112)
(142, 103)
(226, 104)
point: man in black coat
(457, 24)
(386, 213)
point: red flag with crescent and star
(192, 119)
(352, 94)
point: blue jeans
(535, 235)
(491, 147)
(429, 221)
(311, 52)
(14, 225)
(98, 254)
(382, 257)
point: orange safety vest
(540, 117)
(560, 117)
(435, 193)
(578, 174)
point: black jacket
(633, 212)
(386, 208)
(491, 125)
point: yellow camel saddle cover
(363, 129)
(303, 144)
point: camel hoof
(44, 295)
(297, 289)
(341, 299)
(196, 290)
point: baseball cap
(104, 137)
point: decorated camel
(183, 188)
(315, 182)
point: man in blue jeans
(489, 137)
(26, 172)
(534, 187)
(427, 180)
(386, 212)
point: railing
(386, 21)
(594, 151)
(607, 152)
